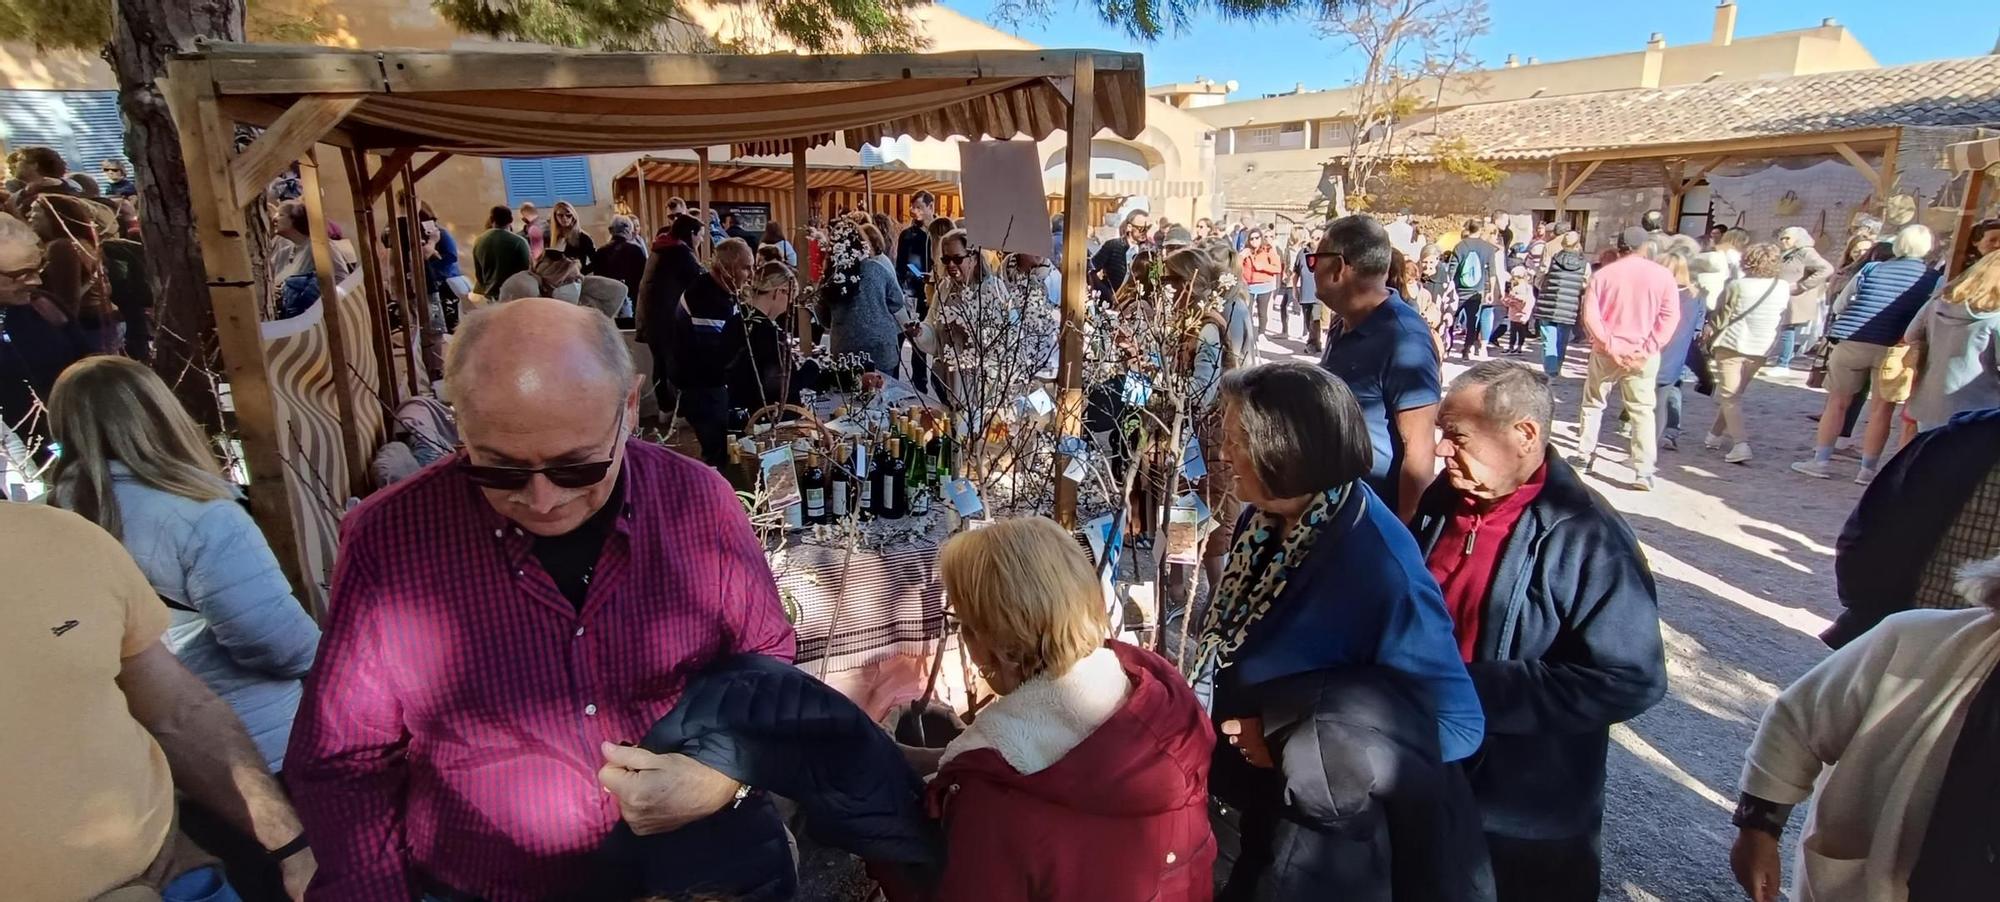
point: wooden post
(645, 209)
(1968, 213)
(1676, 191)
(1075, 306)
(368, 238)
(701, 247)
(420, 281)
(218, 220)
(400, 259)
(801, 211)
(336, 338)
(868, 192)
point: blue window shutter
(83, 126)
(569, 179)
(527, 181)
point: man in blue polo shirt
(1381, 347)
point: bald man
(504, 621)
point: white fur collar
(1034, 726)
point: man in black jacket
(706, 340)
(670, 269)
(1934, 508)
(913, 272)
(1556, 616)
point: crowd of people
(554, 665)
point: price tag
(964, 497)
(1041, 403)
(1193, 464)
(1076, 469)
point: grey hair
(1800, 237)
(1515, 391)
(1913, 241)
(1306, 431)
(621, 226)
(1979, 582)
(607, 346)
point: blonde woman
(1957, 338)
(1087, 778)
(570, 238)
(135, 464)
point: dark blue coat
(1359, 808)
(1569, 644)
(771, 726)
(1881, 554)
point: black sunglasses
(562, 476)
(954, 259)
(1313, 258)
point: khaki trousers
(1636, 388)
(1733, 373)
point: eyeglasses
(954, 259)
(1313, 258)
(562, 476)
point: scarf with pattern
(1260, 564)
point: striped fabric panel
(894, 602)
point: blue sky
(1269, 57)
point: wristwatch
(1754, 813)
(743, 791)
(297, 845)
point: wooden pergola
(396, 115)
(1684, 165)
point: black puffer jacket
(1359, 808)
(769, 725)
(1561, 295)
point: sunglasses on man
(1313, 258)
(562, 476)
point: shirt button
(520, 573)
(1171, 858)
(579, 631)
(499, 533)
(590, 710)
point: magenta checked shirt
(451, 727)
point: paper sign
(1002, 182)
(781, 480)
(1193, 466)
(1042, 404)
(1076, 469)
(964, 497)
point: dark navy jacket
(1359, 807)
(771, 726)
(1569, 644)
(1880, 556)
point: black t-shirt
(1113, 260)
(1489, 258)
(571, 558)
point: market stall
(394, 116)
(1979, 161)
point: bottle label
(920, 503)
(867, 493)
(815, 502)
(840, 499)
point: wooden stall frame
(1704, 156)
(304, 97)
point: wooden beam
(431, 165)
(226, 259)
(1968, 213)
(1677, 186)
(703, 246)
(1082, 127)
(296, 131)
(1563, 193)
(1889, 172)
(356, 163)
(250, 69)
(336, 338)
(1867, 171)
(385, 175)
(1703, 172)
(418, 317)
(1805, 142)
(402, 258)
(801, 212)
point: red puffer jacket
(1063, 790)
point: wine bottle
(839, 484)
(812, 486)
(884, 487)
(864, 474)
(920, 502)
(893, 492)
(934, 453)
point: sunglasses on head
(562, 476)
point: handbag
(1816, 356)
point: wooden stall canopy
(500, 103)
(1980, 162)
(647, 184)
(393, 105)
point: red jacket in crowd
(1038, 804)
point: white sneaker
(1864, 477)
(1738, 455)
(1713, 442)
(1816, 468)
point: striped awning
(1974, 156)
(519, 103)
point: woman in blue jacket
(134, 463)
(1322, 576)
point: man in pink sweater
(1630, 310)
